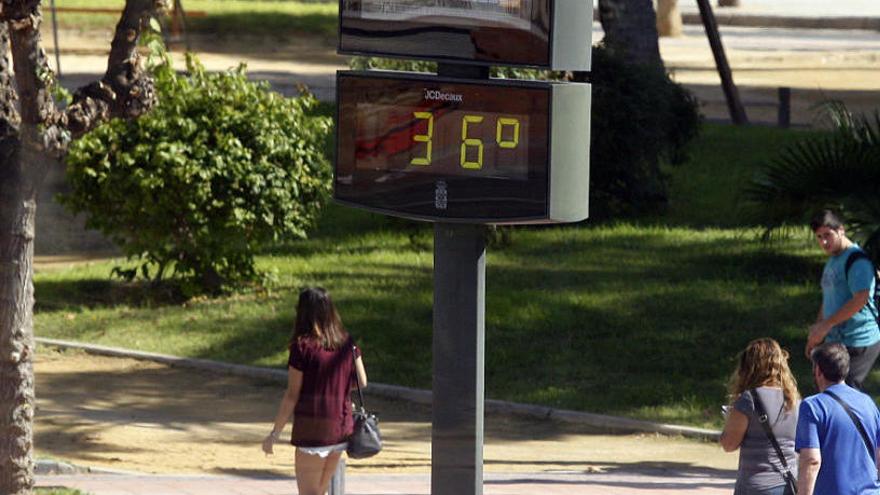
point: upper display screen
(502, 32)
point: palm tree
(840, 171)
(631, 30)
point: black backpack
(852, 258)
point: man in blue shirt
(834, 457)
(847, 311)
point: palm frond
(840, 171)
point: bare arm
(809, 462)
(820, 329)
(734, 430)
(361, 371)
(285, 409)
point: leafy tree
(35, 133)
(218, 169)
(630, 28)
(840, 171)
(640, 118)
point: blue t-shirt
(823, 424)
(837, 289)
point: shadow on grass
(59, 295)
(278, 24)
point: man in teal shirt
(847, 312)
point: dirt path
(139, 416)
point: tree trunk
(17, 208)
(668, 18)
(631, 30)
(17, 213)
(33, 136)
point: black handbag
(366, 440)
(790, 482)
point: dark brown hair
(318, 320)
(832, 360)
(825, 218)
(764, 363)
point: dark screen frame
(472, 199)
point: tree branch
(126, 90)
(32, 74)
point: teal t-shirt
(837, 289)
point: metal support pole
(337, 482)
(55, 38)
(458, 349)
(784, 114)
(177, 10)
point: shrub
(219, 168)
(640, 118)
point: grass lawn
(58, 491)
(638, 318)
(266, 17)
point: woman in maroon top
(319, 381)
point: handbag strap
(856, 420)
(764, 420)
(354, 374)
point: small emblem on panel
(440, 195)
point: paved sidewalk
(794, 8)
(813, 14)
(660, 482)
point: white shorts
(324, 450)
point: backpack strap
(850, 260)
(856, 420)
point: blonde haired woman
(762, 373)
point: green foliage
(371, 63)
(838, 170)
(218, 169)
(640, 119)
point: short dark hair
(826, 218)
(832, 360)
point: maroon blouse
(323, 412)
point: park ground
(122, 414)
(137, 416)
